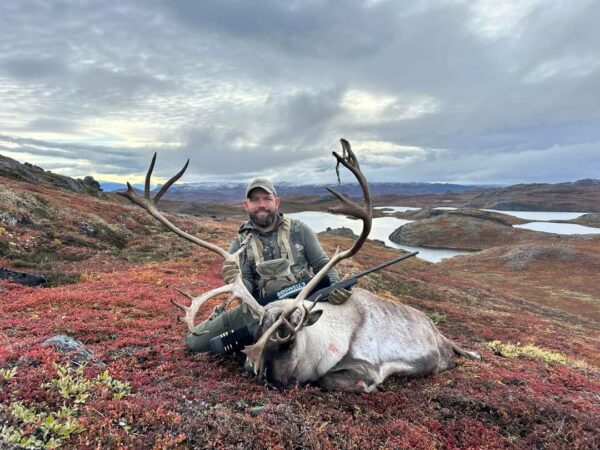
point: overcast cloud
(451, 91)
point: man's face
(262, 207)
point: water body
(381, 229)
(384, 226)
(527, 215)
(559, 228)
(540, 215)
(397, 208)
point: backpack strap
(257, 249)
(283, 240)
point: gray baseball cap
(262, 183)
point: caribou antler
(348, 207)
(236, 289)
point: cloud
(33, 69)
(424, 90)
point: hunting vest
(290, 267)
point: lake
(381, 230)
(384, 226)
(540, 215)
(559, 228)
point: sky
(474, 91)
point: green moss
(30, 426)
(436, 317)
(8, 374)
(531, 351)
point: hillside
(10, 168)
(113, 271)
(577, 196)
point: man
(280, 252)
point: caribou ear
(313, 317)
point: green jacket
(308, 255)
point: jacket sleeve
(247, 268)
(315, 255)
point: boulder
(77, 353)
(26, 279)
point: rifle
(324, 288)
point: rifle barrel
(385, 264)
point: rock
(26, 279)
(256, 410)
(343, 231)
(91, 184)
(87, 228)
(240, 405)
(78, 353)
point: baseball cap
(262, 183)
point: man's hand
(230, 270)
(339, 296)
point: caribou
(350, 347)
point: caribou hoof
(366, 385)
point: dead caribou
(350, 347)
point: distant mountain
(234, 192)
(576, 196)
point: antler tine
(148, 176)
(236, 289)
(172, 180)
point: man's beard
(265, 221)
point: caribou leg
(347, 380)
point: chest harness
(279, 272)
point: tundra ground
(531, 312)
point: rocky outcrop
(343, 231)
(11, 168)
(588, 220)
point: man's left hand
(230, 270)
(339, 296)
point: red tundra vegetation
(113, 273)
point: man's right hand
(230, 271)
(339, 296)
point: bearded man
(280, 252)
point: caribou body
(357, 345)
(353, 346)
